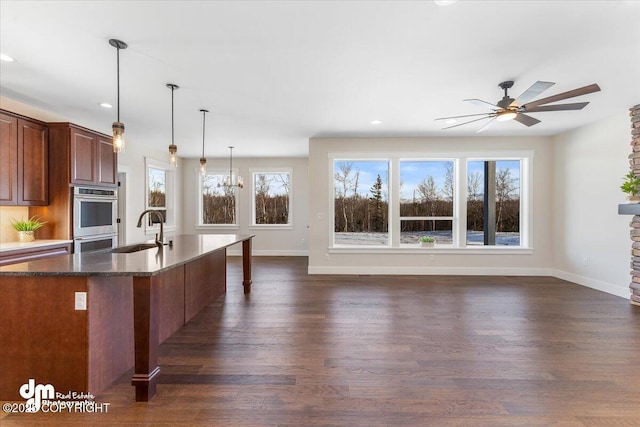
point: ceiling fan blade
(470, 121)
(481, 103)
(564, 95)
(526, 120)
(536, 89)
(459, 117)
(487, 125)
(557, 107)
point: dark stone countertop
(185, 248)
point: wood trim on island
(134, 302)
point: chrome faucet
(159, 241)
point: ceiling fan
(514, 109)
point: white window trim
(526, 158)
(332, 196)
(170, 197)
(270, 170)
(199, 225)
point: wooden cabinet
(24, 171)
(8, 160)
(77, 157)
(93, 161)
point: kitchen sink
(133, 248)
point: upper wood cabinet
(89, 155)
(24, 170)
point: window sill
(498, 250)
(271, 227)
(217, 227)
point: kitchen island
(79, 322)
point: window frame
(170, 197)
(455, 200)
(199, 217)
(459, 232)
(332, 196)
(271, 170)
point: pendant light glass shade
(118, 127)
(173, 148)
(118, 137)
(203, 160)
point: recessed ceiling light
(376, 122)
(451, 121)
(106, 105)
(6, 58)
(444, 2)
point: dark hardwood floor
(389, 351)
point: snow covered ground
(442, 238)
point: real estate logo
(35, 394)
(43, 397)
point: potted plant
(631, 186)
(427, 241)
(27, 228)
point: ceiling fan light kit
(508, 108)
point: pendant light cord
(203, 118)
(172, 140)
(118, 78)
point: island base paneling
(205, 280)
(110, 330)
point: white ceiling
(275, 73)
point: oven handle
(105, 198)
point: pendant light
(203, 160)
(230, 182)
(118, 127)
(173, 148)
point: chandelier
(231, 181)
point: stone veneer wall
(634, 161)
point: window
(361, 207)
(427, 190)
(218, 204)
(493, 202)
(272, 198)
(465, 202)
(160, 195)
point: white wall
(288, 241)
(590, 240)
(402, 261)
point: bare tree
(474, 186)
(263, 185)
(427, 189)
(506, 189)
(506, 185)
(429, 195)
(343, 177)
(448, 187)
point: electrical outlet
(81, 300)
(585, 261)
(431, 257)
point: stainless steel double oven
(95, 218)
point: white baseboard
(599, 285)
(441, 271)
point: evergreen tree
(377, 216)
